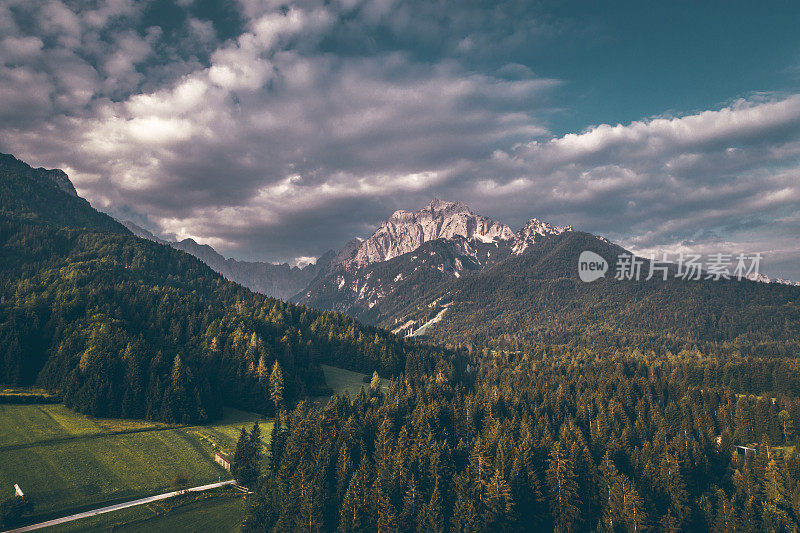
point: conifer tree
(726, 519)
(499, 503)
(412, 505)
(375, 383)
(276, 386)
(633, 512)
(241, 456)
(611, 493)
(433, 521)
(564, 500)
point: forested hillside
(536, 297)
(122, 326)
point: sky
(279, 130)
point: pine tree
(310, 507)
(277, 442)
(375, 383)
(673, 486)
(256, 451)
(344, 471)
(353, 515)
(465, 516)
(387, 514)
(611, 493)
(633, 512)
(787, 426)
(772, 484)
(241, 456)
(726, 520)
(433, 521)
(262, 370)
(246, 464)
(412, 505)
(500, 512)
(564, 500)
(276, 386)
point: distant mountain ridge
(442, 272)
(404, 274)
(468, 242)
(276, 280)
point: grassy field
(221, 511)
(67, 462)
(341, 380)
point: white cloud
(269, 145)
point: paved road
(119, 506)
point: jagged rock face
(406, 231)
(377, 290)
(60, 179)
(531, 230)
(413, 252)
(348, 252)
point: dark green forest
(545, 440)
(536, 298)
(124, 327)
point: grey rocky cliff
(533, 229)
(406, 231)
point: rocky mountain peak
(405, 231)
(531, 230)
(443, 208)
(59, 177)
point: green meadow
(67, 462)
(218, 511)
(341, 380)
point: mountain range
(366, 277)
(451, 275)
(411, 253)
(277, 280)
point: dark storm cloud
(275, 131)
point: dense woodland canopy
(548, 439)
(125, 327)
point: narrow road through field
(119, 506)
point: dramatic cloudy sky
(278, 130)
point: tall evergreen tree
(564, 500)
(276, 386)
